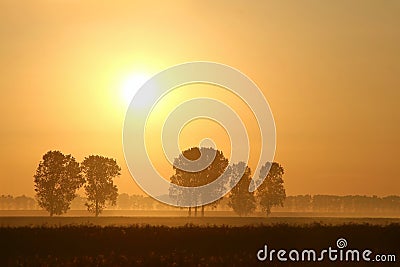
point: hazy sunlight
(131, 84)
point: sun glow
(131, 85)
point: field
(183, 241)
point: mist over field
(199, 133)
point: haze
(329, 72)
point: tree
(182, 177)
(240, 199)
(24, 203)
(56, 180)
(271, 192)
(99, 173)
(7, 202)
(124, 201)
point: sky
(330, 72)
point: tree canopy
(56, 180)
(240, 199)
(271, 192)
(193, 158)
(99, 173)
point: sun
(131, 84)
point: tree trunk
(268, 211)
(51, 211)
(97, 208)
(190, 211)
(202, 211)
(51, 205)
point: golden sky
(329, 71)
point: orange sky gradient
(330, 72)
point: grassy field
(31, 221)
(182, 241)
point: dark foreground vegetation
(188, 245)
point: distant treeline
(300, 203)
(342, 204)
(18, 203)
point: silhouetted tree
(99, 173)
(299, 203)
(271, 192)
(392, 203)
(24, 203)
(148, 203)
(7, 202)
(124, 201)
(200, 178)
(56, 180)
(240, 199)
